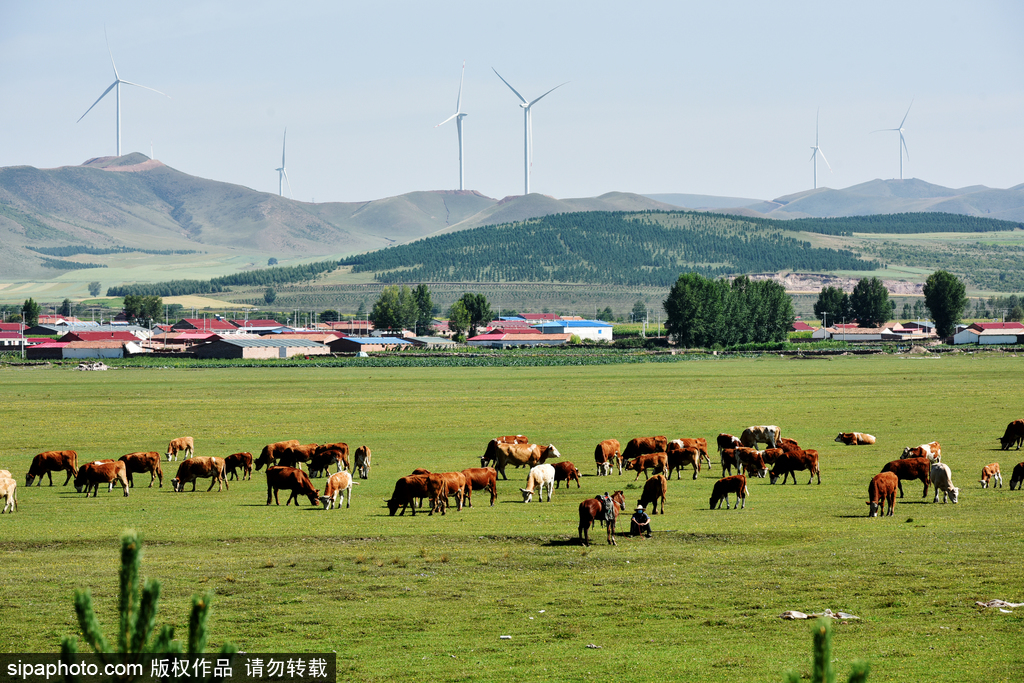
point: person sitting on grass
(640, 523)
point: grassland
(427, 597)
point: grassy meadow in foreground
(428, 597)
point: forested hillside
(900, 223)
(617, 248)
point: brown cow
(479, 479)
(729, 461)
(605, 454)
(182, 443)
(320, 462)
(92, 474)
(700, 444)
(517, 455)
(1013, 436)
(727, 441)
(438, 492)
(407, 489)
(590, 511)
(241, 460)
(566, 471)
(269, 453)
(723, 487)
(646, 461)
(200, 468)
(882, 489)
(340, 447)
(48, 462)
(788, 444)
(770, 455)
(1017, 477)
(932, 450)
(991, 472)
(752, 461)
(140, 462)
(855, 439)
(293, 479)
(518, 438)
(910, 468)
(791, 462)
(679, 457)
(294, 456)
(655, 488)
(361, 462)
(644, 444)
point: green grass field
(400, 598)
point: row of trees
(703, 312)
(945, 299)
(400, 308)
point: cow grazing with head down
(141, 462)
(1013, 436)
(855, 439)
(200, 468)
(605, 455)
(1017, 477)
(942, 480)
(407, 491)
(791, 462)
(766, 434)
(9, 492)
(567, 472)
(882, 490)
(910, 469)
(932, 451)
(182, 443)
(48, 462)
(237, 461)
(539, 477)
(642, 445)
(338, 484)
(361, 462)
(680, 456)
(656, 461)
(480, 479)
(292, 479)
(268, 456)
(723, 487)
(92, 474)
(990, 472)
(752, 461)
(656, 487)
(590, 511)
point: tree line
(100, 251)
(899, 223)
(259, 277)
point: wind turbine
(816, 150)
(282, 173)
(117, 84)
(458, 116)
(903, 143)
(527, 124)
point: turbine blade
(547, 93)
(447, 119)
(814, 150)
(882, 130)
(109, 52)
(97, 100)
(284, 145)
(458, 102)
(290, 193)
(521, 98)
(907, 114)
(905, 146)
(824, 159)
(146, 87)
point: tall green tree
(869, 303)
(65, 307)
(143, 309)
(458, 319)
(424, 309)
(269, 296)
(394, 309)
(479, 311)
(30, 311)
(328, 316)
(94, 288)
(695, 310)
(639, 312)
(946, 297)
(832, 306)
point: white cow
(769, 434)
(942, 480)
(338, 484)
(932, 451)
(540, 476)
(9, 492)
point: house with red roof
(991, 333)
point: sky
(661, 97)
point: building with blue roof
(595, 330)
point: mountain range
(138, 202)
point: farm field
(402, 598)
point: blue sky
(702, 98)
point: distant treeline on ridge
(615, 248)
(75, 250)
(250, 278)
(899, 223)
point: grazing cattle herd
(656, 456)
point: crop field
(428, 597)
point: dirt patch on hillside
(812, 283)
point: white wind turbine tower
(117, 84)
(816, 150)
(527, 124)
(903, 143)
(458, 116)
(282, 173)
